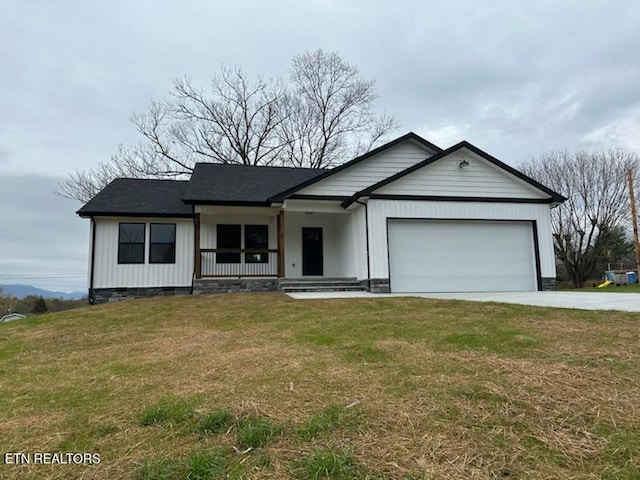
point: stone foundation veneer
(227, 285)
(104, 295)
(549, 284)
(379, 285)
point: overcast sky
(516, 78)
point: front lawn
(262, 386)
(629, 288)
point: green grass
(329, 463)
(629, 288)
(255, 432)
(216, 422)
(329, 419)
(254, 386)
(172, 411)
(205, 465)
(494, 340)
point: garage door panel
(441, 256)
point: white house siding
(351, 244)
(359, 246)
(444, 177)
(90, 254)
(380, 210)
(370, 171)
(109, 274)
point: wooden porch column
(197, 253)
(281, 245)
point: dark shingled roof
(242, 184)
(129, 196)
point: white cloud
(623, 133)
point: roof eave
(133, 214)
(230, 203)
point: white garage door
(461, 256)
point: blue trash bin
(632, 277)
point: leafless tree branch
(320, 118)
(597, 203)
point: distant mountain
(21, 291)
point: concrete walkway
(627, 302)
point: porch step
(294, 285)
(354, 288)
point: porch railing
(237, 262)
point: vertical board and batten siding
(370, 171)
(109, 274)
(90, 254)
(351, 247)
(381, 210)
(444, 177)
(359, 249)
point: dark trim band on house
(93, 260)
(128, 215)
(440, 198)
(229, 203)
(332, 198)
(536, 249)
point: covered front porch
(297, 240)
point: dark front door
(312, 258)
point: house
(404, 217)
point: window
(131, 243)
(229, 237)
(162, 244)
(256, 237)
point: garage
(461, 256)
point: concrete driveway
(627, 302)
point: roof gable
(441, 176)
(424, 147)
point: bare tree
(322, 118)
(84, 184)
(597, 204)
(237, 122)
(331, 112)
